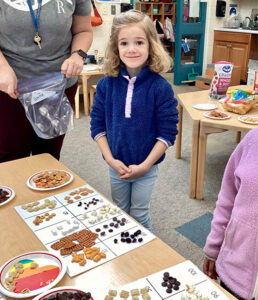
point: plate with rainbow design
(30, 274)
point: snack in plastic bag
(221, 79)
(46, 105)
(238, 101)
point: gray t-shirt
(17, 32)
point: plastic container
(250, 77)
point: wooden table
(201, 128)
(85, 75)
(17, 237)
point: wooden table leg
(238, 136)
(204, 131)
(194, 159)
(85, 93)
(179, 128)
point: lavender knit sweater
(233, 240)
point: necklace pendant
(37, 40)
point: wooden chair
(92, 92)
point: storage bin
(250, 77)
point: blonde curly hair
(158, 61)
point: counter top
(240, 30)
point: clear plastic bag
(46, 105)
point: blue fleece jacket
(153, 114)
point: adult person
(38, 37)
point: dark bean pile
(4, 195)
(170, 283)
(69, 296)
(86, 205)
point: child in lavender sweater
(232, 246)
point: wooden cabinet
(235, 47)
(159, 10)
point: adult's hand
(209, 268)
(8, 81)
(72, 66)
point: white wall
(245, 7)
(211, 22)
(101, 33)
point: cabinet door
(220, 51)
(238, 55)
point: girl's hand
(8, 81)
(136, 171)
(72, 66)
(119, 167)
(209, 268)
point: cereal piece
(54, 232)
(33, 265)
(112, 293)
(102, 255)
(77, 257)
(18, 266)
(84, 193)
(135, 298)
(78, 247)
(146, 296)
(135, 292)
(69, 244)
(190, 289)
(57, 245)
(8, 280)
(144, 290)
(82, 262)
(97, 258)
(108, 297)
(124, 294)
(11, 287)
(66, 251)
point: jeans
(133, 195)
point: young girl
(232, 245)
(134, 115)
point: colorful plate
(10, 192)
(41, 271)
(205, 106)
(31, 184)
(242, 119)
(52, 292)
(207, 115)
